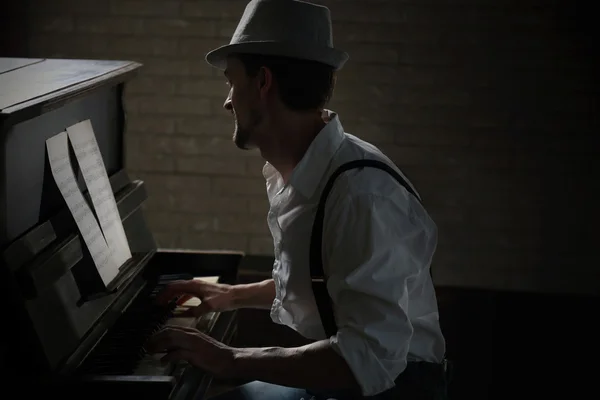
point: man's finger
(195, 334)
(183, 299)
(198, 311)
(184, 312)
(177, 288)
(182, 328)
(178, 355)
(201, 309)
(169, 339)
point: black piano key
(173, 277)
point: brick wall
(487, 105)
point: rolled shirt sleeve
(373, 247)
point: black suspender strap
(319, 280)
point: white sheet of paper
(62, 171)
(94, 173)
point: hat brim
(333, 57)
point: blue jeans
(266, 391)
(419, 381)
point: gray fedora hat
(289, 28)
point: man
(381, 334)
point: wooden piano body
(64, 332)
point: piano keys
(121, 351)
(64, 331)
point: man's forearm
(315, 366)
(254, 295)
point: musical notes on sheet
(94, 173)
(62, 171)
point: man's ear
(265, 80)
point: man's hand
(213, 296)
(315, 366)
(220, 297)
(193, 346)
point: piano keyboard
(121, 352)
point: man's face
(243, 102)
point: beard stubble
(243, 136)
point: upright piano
(64, 332)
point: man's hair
(303, 85)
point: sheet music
(94, 173)
(62, 171)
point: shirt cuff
(368, 371)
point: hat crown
(284, 28)
(285, 21)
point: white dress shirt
(378, 243)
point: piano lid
(8, 64)
(38, 84)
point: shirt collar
(307, 175)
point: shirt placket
(273, 217)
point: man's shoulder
(367, 181)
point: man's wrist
(244, 361)
(240, 295)
(253, 295)
(238, 355)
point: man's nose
(227, 105)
